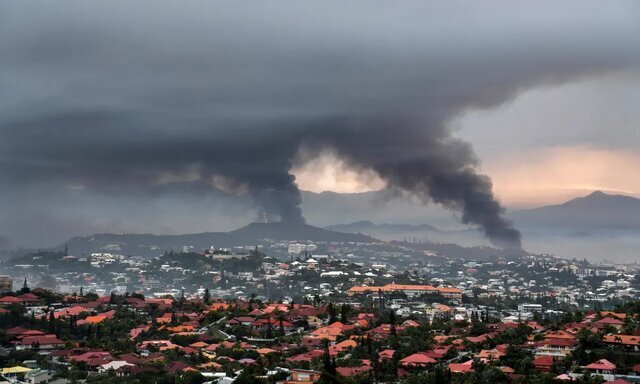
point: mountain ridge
(252, 234)
(595, 210)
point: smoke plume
(117, 100)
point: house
(179, 366)
(8, 300)
(241, 320)
(93, 359)
(29, 299)
(461, 367)
(19, 332)
(417, 360)
(92, 320)
(301, 376)
(387, 354)
(306, 357)
(271, 323)
(631, 342)
(43, 343)
(556, 347)
(69, 311)
(602, 367)
(353, 371)
(161, 345)
(609, 322)
(135, 332)
(114, 365)
(407, 289)
(487, 355)
(544, 363)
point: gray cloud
(112, 97)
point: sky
(545, 146)
(154, 117)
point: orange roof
(94, 319)
(620, 316)
(70, 311)
(559, 335)
(448, 290)
(265, 351)
(218, 306)
(327, 331)
(417, 359)
(443, 308)
(347, 344)
(492, 354)
(622, 339)
(393, 287)
(181, 328)
(461, 367)
(403, 287)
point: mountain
(468, 237)
(285, 231)
(252, 234)
(385, 231)
(595, 211)
(328, 208)
(370, 228)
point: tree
(344, 312)
(206, 298)
(281, 323)
(252, 300)
(329, 373)
(52, 322)
(332, 313)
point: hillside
(368, 227)
(386, 231)
(597, 210)
(252, 234)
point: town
(306, 312)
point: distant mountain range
(383, 230)
(596, 225)
(595, 211)
(252, 234)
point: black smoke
(117, 100)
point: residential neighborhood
(385, 332)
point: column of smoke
(422, 160)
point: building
(407, 289)
(298, 248)
(299, 376)
(529, 308)
(6, 284)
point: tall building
(6, 284)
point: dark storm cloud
(120, 97)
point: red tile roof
(353, 371)
(417, 359)
(602, 364)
